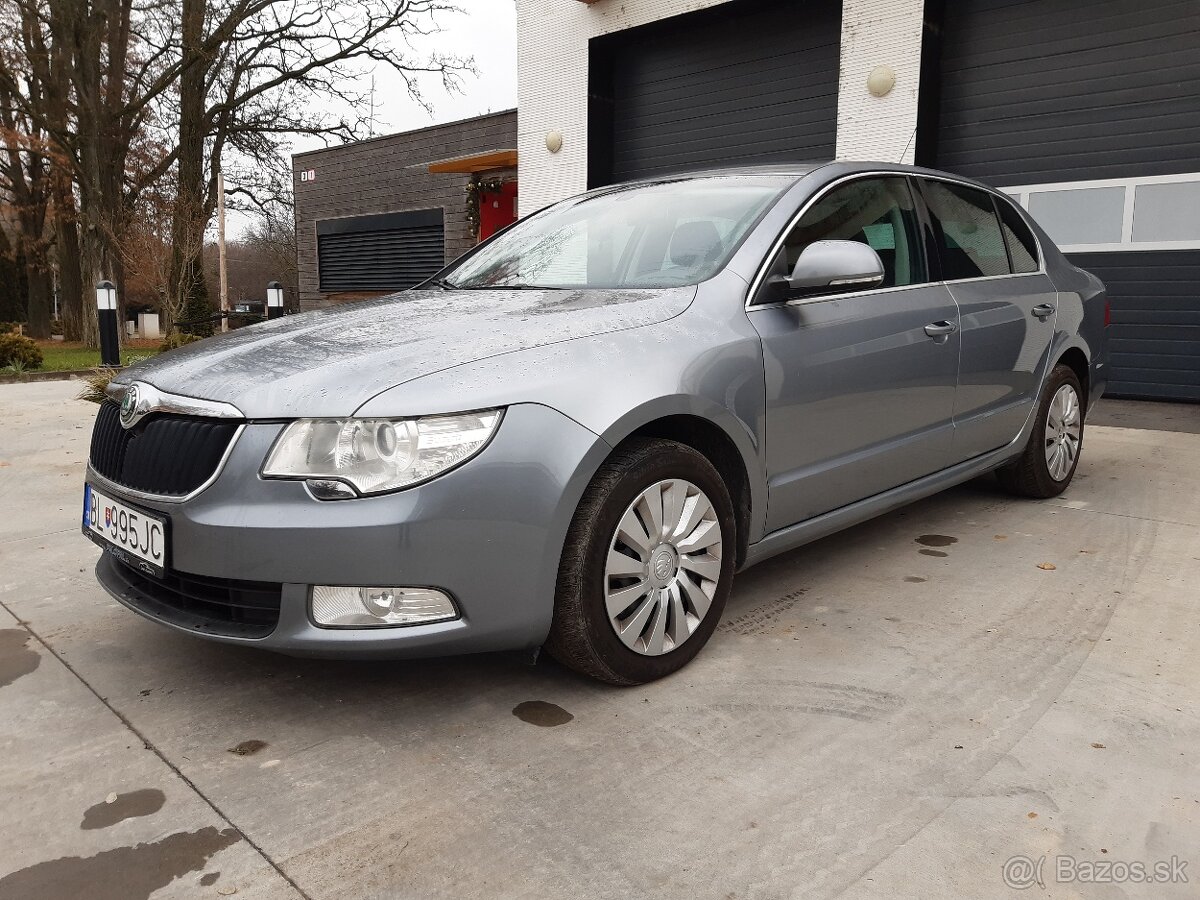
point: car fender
(697, 364)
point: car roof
(796, 170)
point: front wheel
(647, 565)
(1052, 453)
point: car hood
(331, 361)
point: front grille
(247, 609)
(165, 454)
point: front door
(860, 386)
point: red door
(497, 210)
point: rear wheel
(647, 565)
(1052, 453)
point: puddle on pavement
(936, 540)
(915, 579)
(209, 879)
(247, 748)
(16, 659)
(541, 713)
(126, 873)
(927, 552)
(126, 806)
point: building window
(1166, 212)
(1159, 212)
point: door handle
(1043, 311)
(941, 331)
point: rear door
(989, 260)
(860, 385)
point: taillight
(1107, 313)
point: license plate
(135, 537)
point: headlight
(376, 455)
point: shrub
(95, 384)
(8, 327)
(16, 350)
(177, 339)
(56, 326)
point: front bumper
(489, 533)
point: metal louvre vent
(165, 454)
(388, 252)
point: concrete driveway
(895, 711)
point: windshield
(654, 235)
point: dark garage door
(388, 252)
(1039, 92)
(1155, 339)
(746, 81)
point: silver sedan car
(576, 434)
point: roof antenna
(900, 161)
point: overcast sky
(485, 30)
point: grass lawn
(63, 356)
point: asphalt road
(895, 711)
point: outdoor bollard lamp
(274, 300)
(106, 314)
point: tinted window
(878, 212)
(968, 234)
(1022, 248)
(652, 235)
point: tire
(1032, 474)
(583, 636)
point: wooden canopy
(475, 162)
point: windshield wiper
(444, 284)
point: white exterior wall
(552, 77)
(879, 33)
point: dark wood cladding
(746, 81)
(1066, 90)
(1154, 341)
(390, 175)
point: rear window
(1022, 248)
(970, 242)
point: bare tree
(126, 93)
(274, 76)
(24, 181)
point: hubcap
(1063, 431)
(663, 565)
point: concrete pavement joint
(1105, 512)
(149, 745)
(34, 537)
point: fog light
(371, 607)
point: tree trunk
(70, 278)
(37, 276)
(95, 266)
(188, 221)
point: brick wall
(390, 174)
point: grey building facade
(382, 214)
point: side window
(1022, 248)
(968, 234)
(878, 212)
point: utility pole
(371, 116)
(221, 251)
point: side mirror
(836, 265)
